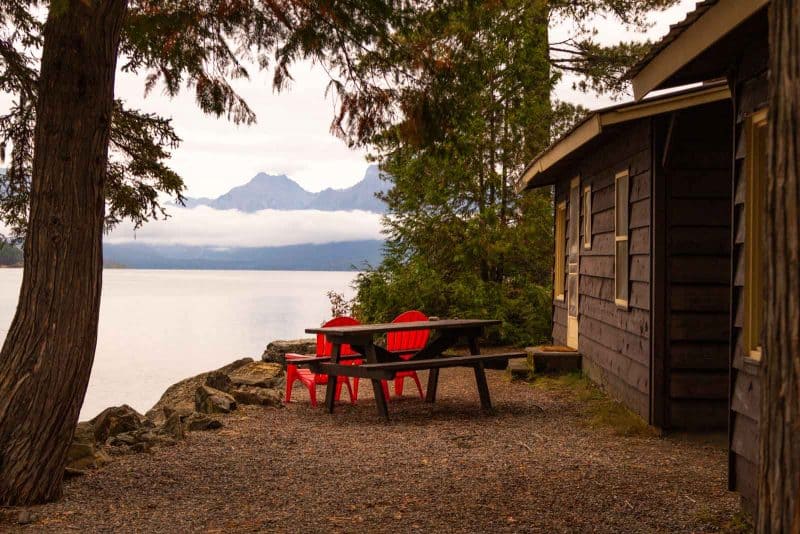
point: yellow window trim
(560, 250)
(753, 310)
(587, 217)
(621, 235)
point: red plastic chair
(408, 340)
(312, 380)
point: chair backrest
(325, 347)
(410, 340)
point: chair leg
(312, 392)
(338, 388)
(385, 387)
(290, 378)
(350, 390)
(355, 389)
(419, 385)
(398, 386)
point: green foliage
(465, 108)
(177, 45)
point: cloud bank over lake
(207, 227)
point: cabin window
(621, 263)
(587, 217)
(756, 169)
(561, 244)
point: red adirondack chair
(310, 379)
(411, 341)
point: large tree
(457, 102)
(80, 160)
(779, 483)
(50, 345)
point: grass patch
(600, 409)
(738, 523)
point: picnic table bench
(383, 365)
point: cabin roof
(540, 171)
(690, 51)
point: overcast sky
(291, 137)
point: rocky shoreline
(191, 405)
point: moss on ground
(601, 410)
(709, 521)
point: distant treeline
(10, 256)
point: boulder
(256, 395)
(275, 350)
(181, 396)
(198, 421)
(83, 452)
(116, 420)
(219, 380)
(173, 426)
(211, 400)
(259, 374)
(141, 440)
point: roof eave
(592, 126)
(701, 34)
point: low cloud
(204, 226)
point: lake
(158, 327)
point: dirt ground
(537, 465)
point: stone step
(549, 359)
(519, 369)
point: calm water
(157, 327)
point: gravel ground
(535, 466)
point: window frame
(753, 218)
(587, 217)
(621, 235)
(560, 260)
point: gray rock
(219, 380)
(84, 453)
(259, 374)
(275, 350)
(173, 426)
(181, 396)
(115, 420)
(197, 421)
(256, 395)
(211, 400)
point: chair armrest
(293, 356)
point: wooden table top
(381, 328)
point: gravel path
(536, 466)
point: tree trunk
(779, 481)
(48, 353)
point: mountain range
(279, 192)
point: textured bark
(48, 353)
(779, 480)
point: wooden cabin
(728, 40)
(642, 253)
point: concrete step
(520, 369)
(553, 359)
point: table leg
(480, 377)
(330, 389)
(433, 383)
(377, 387)
(483, 388)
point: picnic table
(382, 364)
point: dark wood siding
(750, 94)
(695, 163)
(614, 342)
